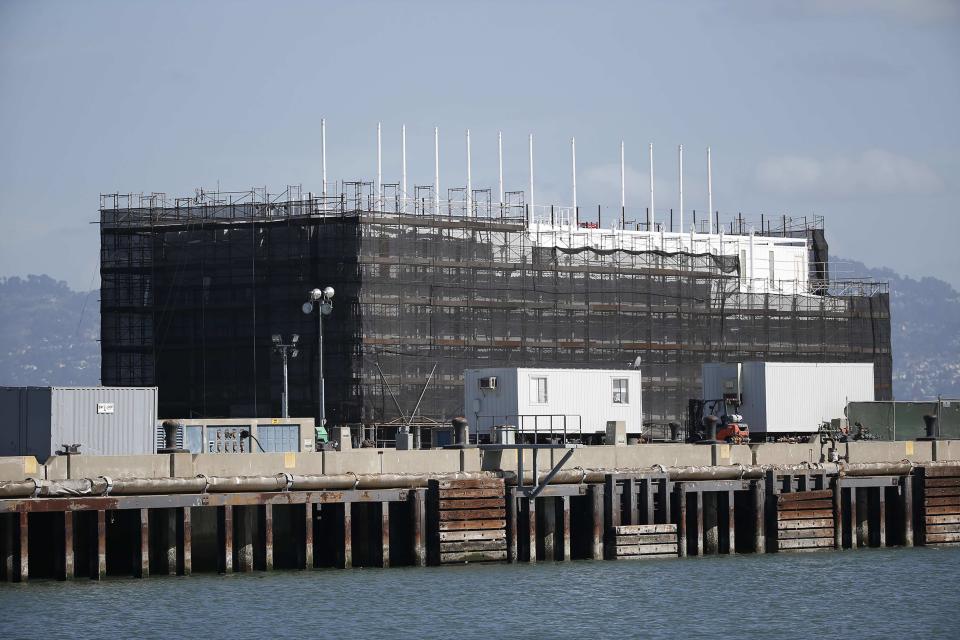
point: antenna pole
(403, 168)
(651, 217)
(709, 192)
(500, 162)
(573, 175)
(469, 180)
(436, 170)
(379, 186)
(680, 171)
(323, 154)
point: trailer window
(621, 390)
(538, 390)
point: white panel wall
(587, 393)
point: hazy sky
(845, 108)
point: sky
(840, 108)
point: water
(878, 593)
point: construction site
(194, 289)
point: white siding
(783, 397)
(583, 393)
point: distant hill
(48, 333)
(925, 332)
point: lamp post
(286, 351)
(323, 299)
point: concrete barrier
(21, 468)
(257, 464)
(115, 467)
(872, 451)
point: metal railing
(548, 425)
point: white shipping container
(579, 400)
(782, 397)
(38, 421)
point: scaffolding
(193, 289)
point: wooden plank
(648, 556)
(789, 534)
(484, 483)
(801, 496)
(933, 538)
(942, 511)
(490, 534)
(464, 525)
(806, 543)
(644, 529)
(473, 545)
(656, 538)
(951, 471)
(473, 514)
(803, 515)
(474, 556)
(807, 505)
(645, 549)
(814, 523)
(452, 494)
(941, 482)
(484, 503)
(942, 501)
(943, 528)
(941, 491)
(954, 519)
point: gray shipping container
(38, 421)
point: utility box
(786, 397)
(38, 421)
(552, 402)
(616, 433)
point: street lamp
(286, 351)
(324, 300)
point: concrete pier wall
(367, 461)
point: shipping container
(787, 397)
(553, 401)
(39, 421)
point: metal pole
(623, 182)
(680, 170)
(651, 216)
(709, 193)
(573, 177)
(469, 180)
(323, 153)
(533, 213)
(436, 170)
(500, 163)
(286, 389)
(379, 185)
(403, 168)
(323, 399)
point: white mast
(573, 176)
(323, 154)
(469, 181)
(436, 170)
(500, 162)
(403, 168)
(680, 170)
(379, 186)
(623, 181)
(709, 192)
(532, 213)
(651, 217)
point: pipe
(347, 481)
(533, 213)
(469, 180)
(573, 178)
(680, 172)
(651, 217)
(379, 185)
(623, 181)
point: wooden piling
(906, 496)
(143, 570)
(596, 501)
(99, 569)
(632, 510)
(565, 514)
(513, 525)
(24, 529)
(268, 536)
(731, 524)
(385, 534)
(882, 516)
(308, 535)
(7, 526)
(699, 506)
(681, 520)
(549, 528)
(170, 539)
(68, 555)
(852, 493)
(532, 529)
(187, 542)
(347, 535)
(711, 522)
(837, 514)
(863, 517)
(759, 517)
(227, 513)
(419, 528)
(244, 522)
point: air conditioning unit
(488, 383)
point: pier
(177, 514)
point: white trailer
(545, 401)
(788, 397)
